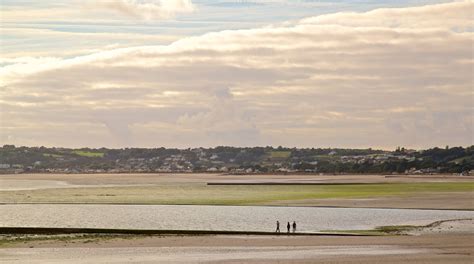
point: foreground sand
(430, 248)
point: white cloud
(453, 16)
(149, 9)
(97, 11)
(382, 78)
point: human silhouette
(278, 227)
(288, 227)
(294, 226)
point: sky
(202, 73)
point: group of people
(288, 227)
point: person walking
(278, 227)
(288, 227)
(294, 226)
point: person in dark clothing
(278, 227)
(294, 226)
(288, 227)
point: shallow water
(198, 217)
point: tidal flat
(187, 202)
(439, 192)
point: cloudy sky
(190, 73)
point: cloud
(453, 14)
(225, 122)
(96, 12)
(382, 78)
(17, 41)
(149, 9)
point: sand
(428, 248)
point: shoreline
(109, 231)
(231, 205)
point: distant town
(236, 160)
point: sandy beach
(428, 248)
